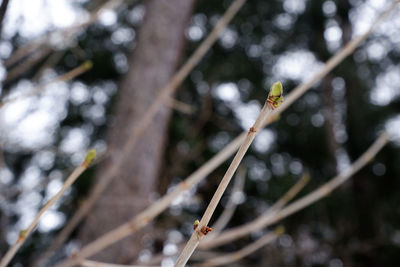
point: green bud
(195, 224)
(22, 234)
(87, 65)
(275, 95)
(276, 90)
(279, 230)
(90, 156)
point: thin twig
(230, 207)
(61, 78)
(50, 62)
(180, 106)
(138, 129)
(31, 61)
(87, 263)
(247, 250)
(289, 195)
(199, 233)
(23, 235)
(324, 190)
(69, 32)
(160, 205)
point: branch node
(205, 230)
(22, 235)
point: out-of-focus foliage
(44, 136)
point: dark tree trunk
(152, 64)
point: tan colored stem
(61, 78)
(197, 235)
(25, 233)
(270, 218)
(230, 208)
(289, 195)
(180, 106)
(87, 263)
(240, 254)
(70, 31)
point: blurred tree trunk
(158, 50)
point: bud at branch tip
(90, 156)
(275, 95)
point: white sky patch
(228, 92)
(123, 35)
(170, 249)
(167, 262)
(333, 34)
(392, 126)
(329, 8)
(197, 28)
(296, 65)
(228, 38)
(62, 13)
(343, 159)
(195, 33)
(79, 93)
(31, 18)
(247, 113)
(264, 140)
(108, 18)
(29, 122)
(294, 6)
(51, 220)
(30, 178)
(284, 21)
(387, 87)
(44, 159)
(6, 176)
(75, 140)
(53, 187)
(377, 50)
(364, 14)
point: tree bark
(152, 64)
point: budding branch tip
(90, 156)
(275, 95)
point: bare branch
(23, 235)
(289, 195)
(324, 190)
(65, 32)
(61, 78)
(230, 208)
(247, 250)
(199, 233)
(180, 106)
(87, 263)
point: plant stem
(25, 233)
(197, 234)
(238, 255)
(269, 218)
